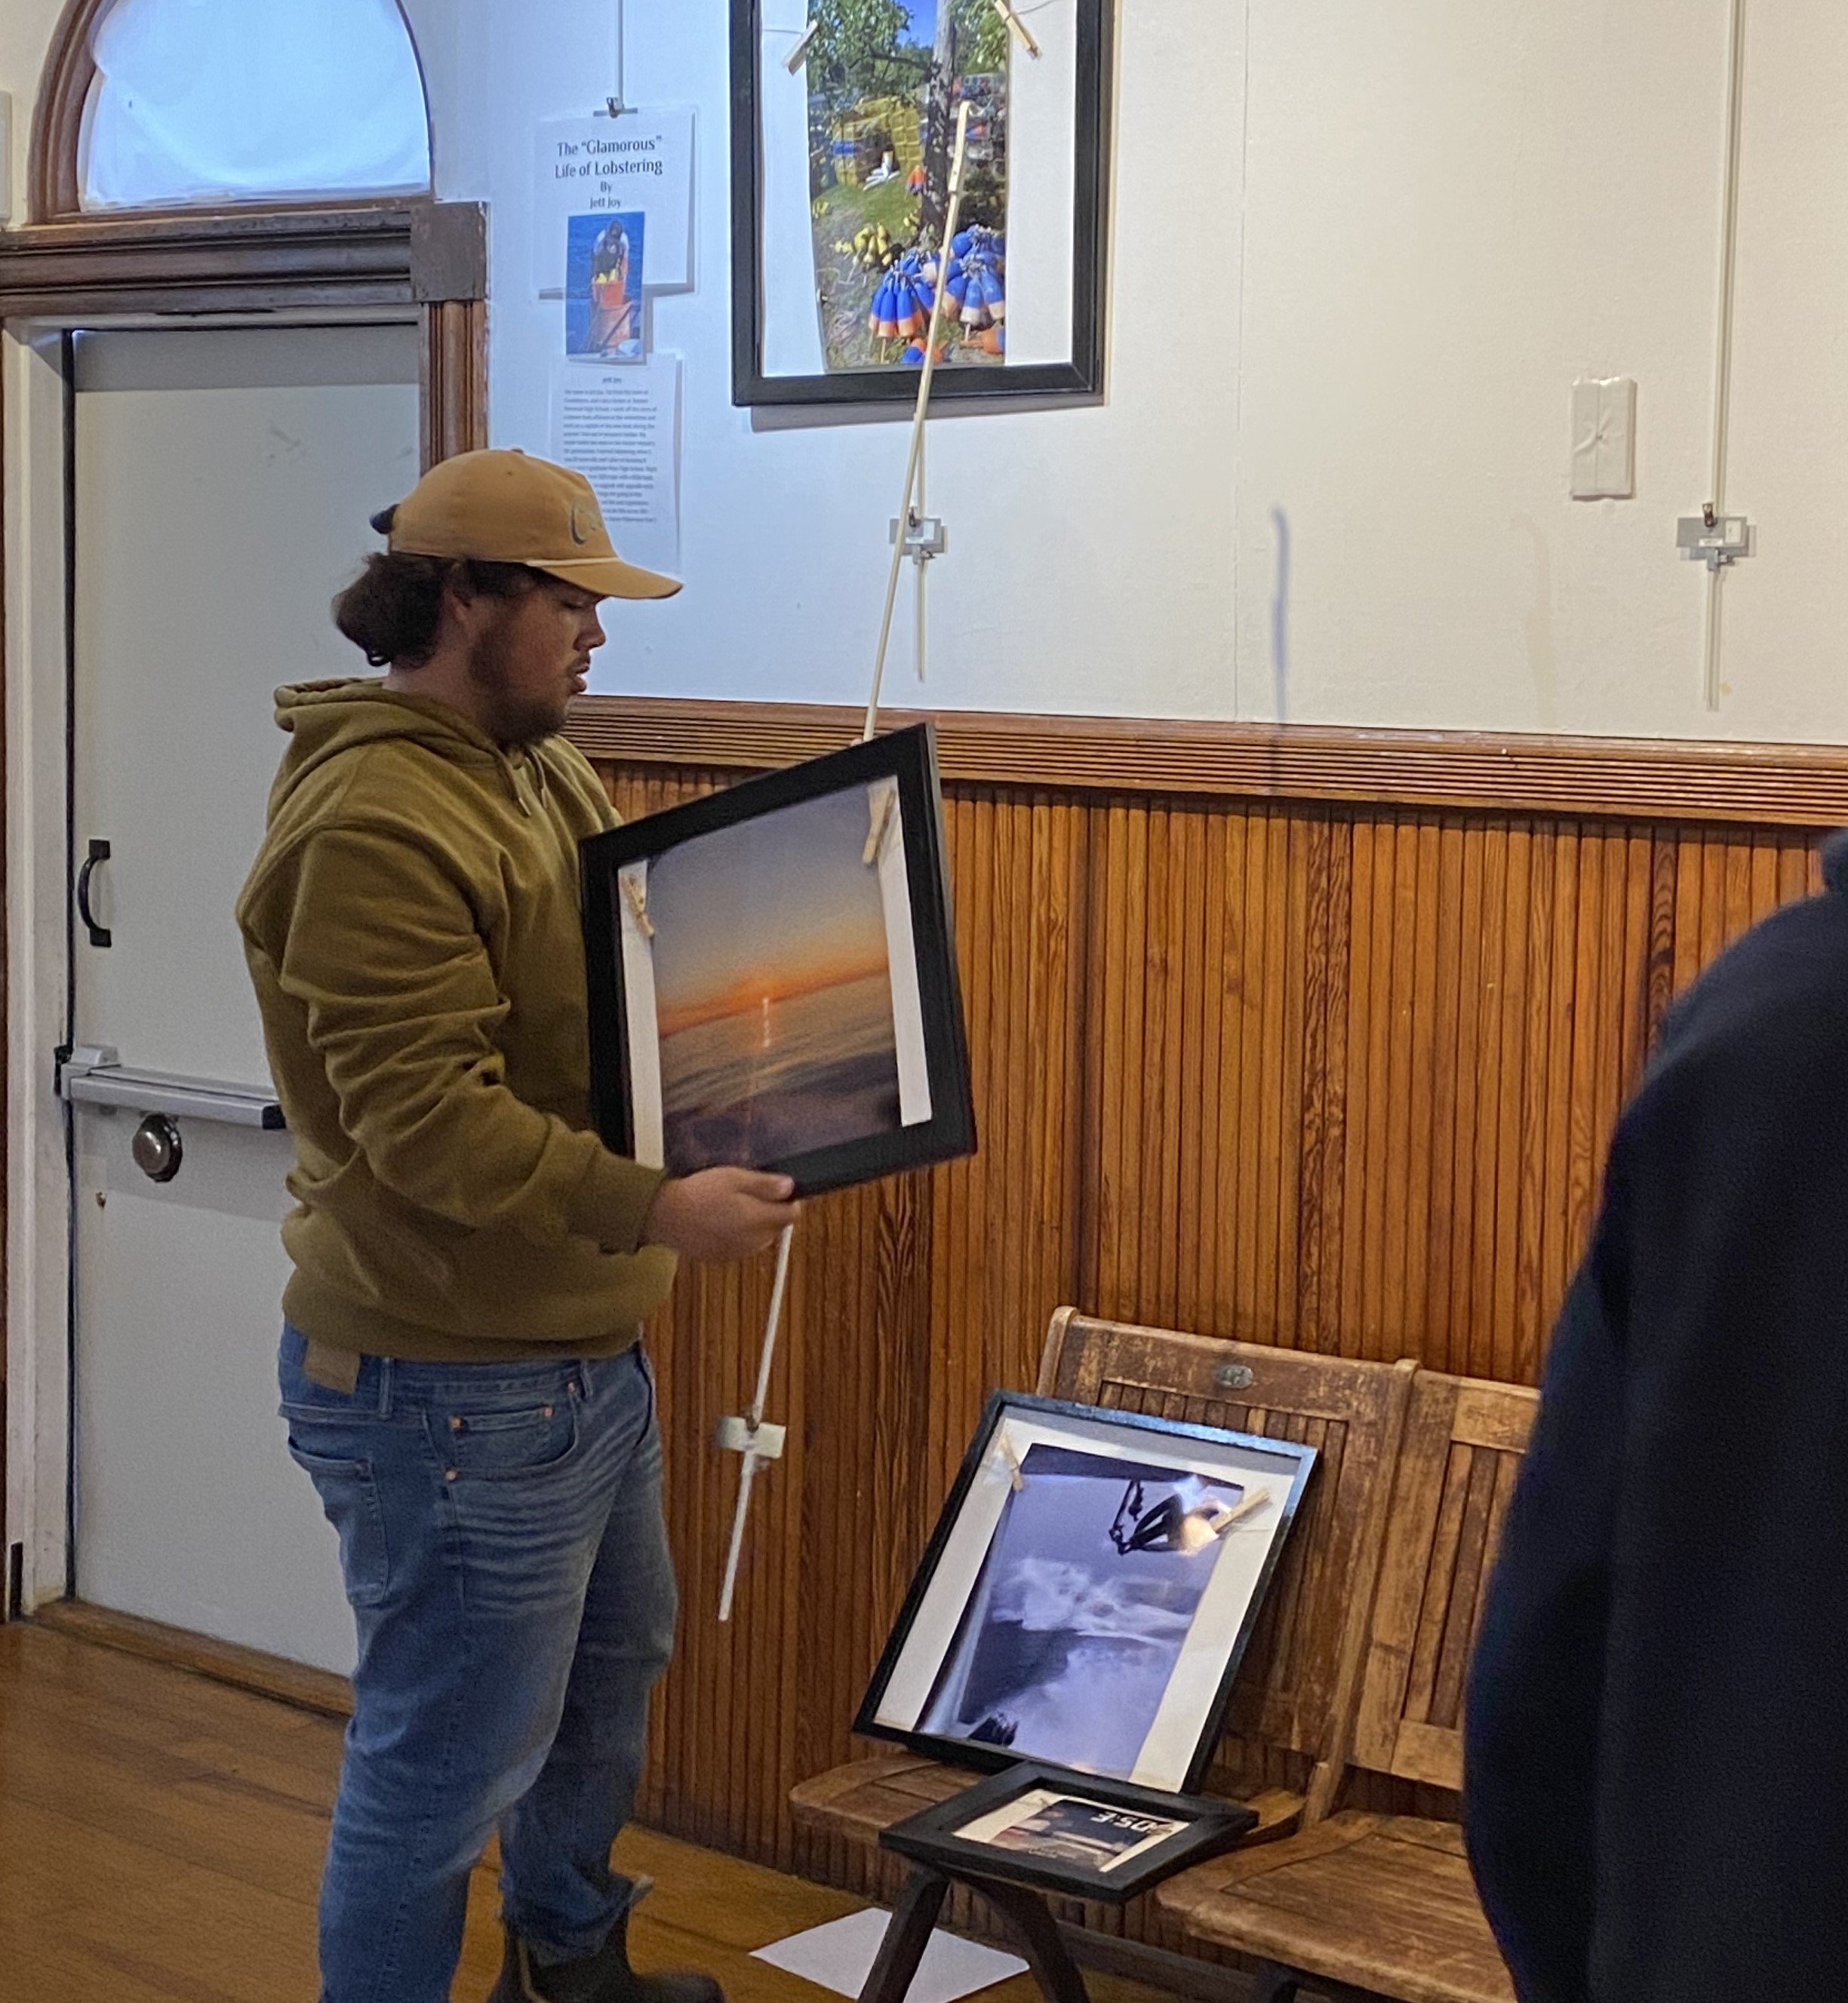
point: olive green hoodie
(411, 925)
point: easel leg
(906, 1935)
(1036, 1935)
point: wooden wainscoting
(1326, 1070)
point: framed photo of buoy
(1088, 1593)
(772, 974)
(841, 152)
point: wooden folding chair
(1293, 1710)
(1383, 1904)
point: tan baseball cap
(506, 506)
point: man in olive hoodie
(461, 1370)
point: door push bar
(95, 1075)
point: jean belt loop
(385, 1374)
(583, 1368)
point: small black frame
(1081, 377)
(982, 1755)
(908, 758)
(932, 1836)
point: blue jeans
(502, 1539)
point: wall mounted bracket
(1712, 539)
(926, 536)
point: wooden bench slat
(1195, 1891)
(1486, 1416)
(863, 1799)
(1430, 1754)
(1383, 1902)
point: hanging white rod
(1729, 232)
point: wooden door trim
(421, 258)
(1649, 780)
(57, 117)
(424, 257)
(224, 260)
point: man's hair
(391, 609)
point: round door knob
(158, 1152)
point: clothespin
(1246, 1504)
(638, 904)
(1017, 1475)
(613, 107)
(1019, 26)
(882, 813)
(792, 61)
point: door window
(220, 101)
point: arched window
(219, 101)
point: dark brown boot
(604, 1976)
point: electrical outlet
(1604, 438)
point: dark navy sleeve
(1531, 1722)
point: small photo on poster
(603, 286)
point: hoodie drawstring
(510, 772)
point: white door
(223, 481)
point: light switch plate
(1604, 438)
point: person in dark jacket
(1656, 1802)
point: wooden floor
(161, 1839)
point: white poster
(620, 427)
(641, 163)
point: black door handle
(99, 934)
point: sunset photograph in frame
(772, 975)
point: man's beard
(514, 721)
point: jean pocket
(514, 1444)
(647, 1367)
(349, 1498)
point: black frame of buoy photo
(1081, 376)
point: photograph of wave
(773, 987)
(1078, 1617)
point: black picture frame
(1082, 376)
(907, 759)
(939, 1617)
(935, 1836)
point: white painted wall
(1360, 250)
(1785, 657)
(1091, 549)
(1452, 209)
(25, 29)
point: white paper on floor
(840, 1956)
